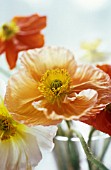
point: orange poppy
(22, 33)
(102, 120)
(51, 87)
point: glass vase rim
(74, 139)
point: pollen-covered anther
(7, 31)
(55, 84)
(7, 129)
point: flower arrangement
(49, 87)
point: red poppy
(22, 33)
(101, 121)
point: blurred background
(69, 23)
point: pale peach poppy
(51, 85)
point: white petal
(13, 155)
(29, 149)
(21, 152)
(45, 135)
(3, 155)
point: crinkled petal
(71, 108)
(38, 61)
(88, 76)
(25, 91)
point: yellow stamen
(7, 31)
(7, 127)
(55, 84)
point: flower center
(55, 84)
(7, 129)
(7, 31)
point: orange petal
(34, 27)
(21, 92)
(32, 41)
(88, 76)
(11, 53)
(32, 116)
(2, 47)
(30, 22)
(72, 108)
(101, 121)
(19, 45)
(38, 61)
(24, 21)
(106, 68)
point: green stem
(90, 136)
(105, 147)
(89, 144)
(72, 149)
(68, 124)
(89, 154)
(73, 155)
(60, 131)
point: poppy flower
(21, 33)
(51, 86)
(21, 147)
(102, 120)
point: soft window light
(92, 4)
